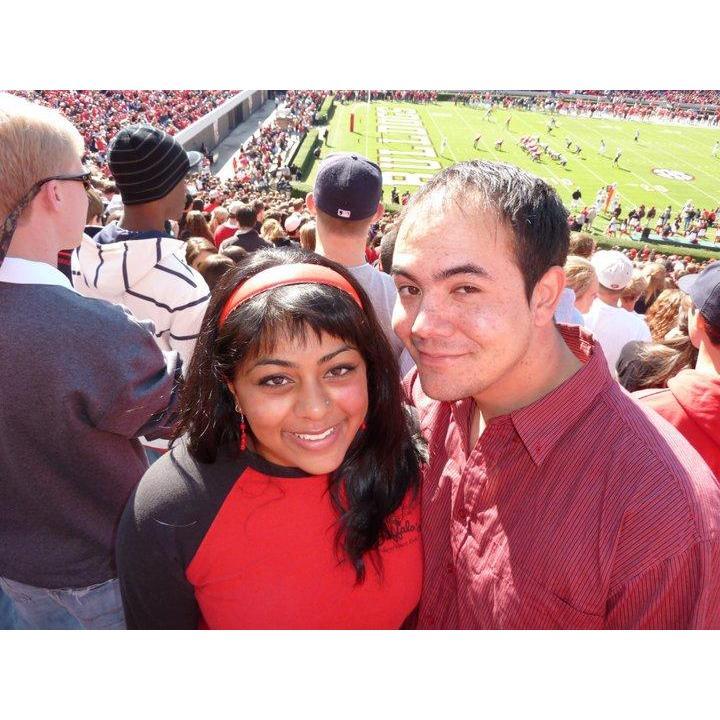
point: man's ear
(379, 212)
(546, 295)
(310, 203)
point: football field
(667, 165)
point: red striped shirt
(583, 510)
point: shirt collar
(543, 423)
(30, 272)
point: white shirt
(31, 272)
(614, 327)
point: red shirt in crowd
(581, 511)
(224, 232)
(691, 403)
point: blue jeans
(98, 607)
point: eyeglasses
(10, 223)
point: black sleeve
(151, 562)
(163, 525)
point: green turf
(687, 149)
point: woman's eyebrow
(289, 364)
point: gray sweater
(79, 380)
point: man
(616, 159)
(691, 401)
(612, 326)
(229, 227)
(246, 236)
(345, 202)
(551, 500)
(81, 379)
(135, 262)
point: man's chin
(437, 388)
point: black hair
(526, 203)
(382, 463)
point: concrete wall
(213, 128)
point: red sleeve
(679, 593)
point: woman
(288, 500)
(655, 274)
(581, 278)
(198, 249)
(196, 226)
(662, 316)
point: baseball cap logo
(343, 213)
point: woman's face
(584, 301)
(304, 402)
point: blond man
(81, 379)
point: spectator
(246, 236)
(644, 365)
(69, 419)
(214, 266)
(581, 244)
(610, 520)
(307, 236)
(581, 278)
(137, 263)
(387, 248)
(345, 202)
(691, 401)
(631, 293)
(235, 253)
(219, 216)
(198, 249)
(655, 274)
(610, 325)
(229, 226)
(196, 226)
(255, 520)
(662, 317)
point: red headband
(291, 274)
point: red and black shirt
(244, 543)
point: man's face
(75, 207)
(461, 309)
(176, 201)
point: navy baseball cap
(348, 186)
(704, 290)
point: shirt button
(449, 568)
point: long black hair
(382, 463)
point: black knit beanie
(147, 163)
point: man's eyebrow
(397, 270)
(466, 269)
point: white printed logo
(344, 213)
(673, 174)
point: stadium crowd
(621, 107)
(99, 114)
(664, 97)
(218, 378)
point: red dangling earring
(243, 436)
(363, 425)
